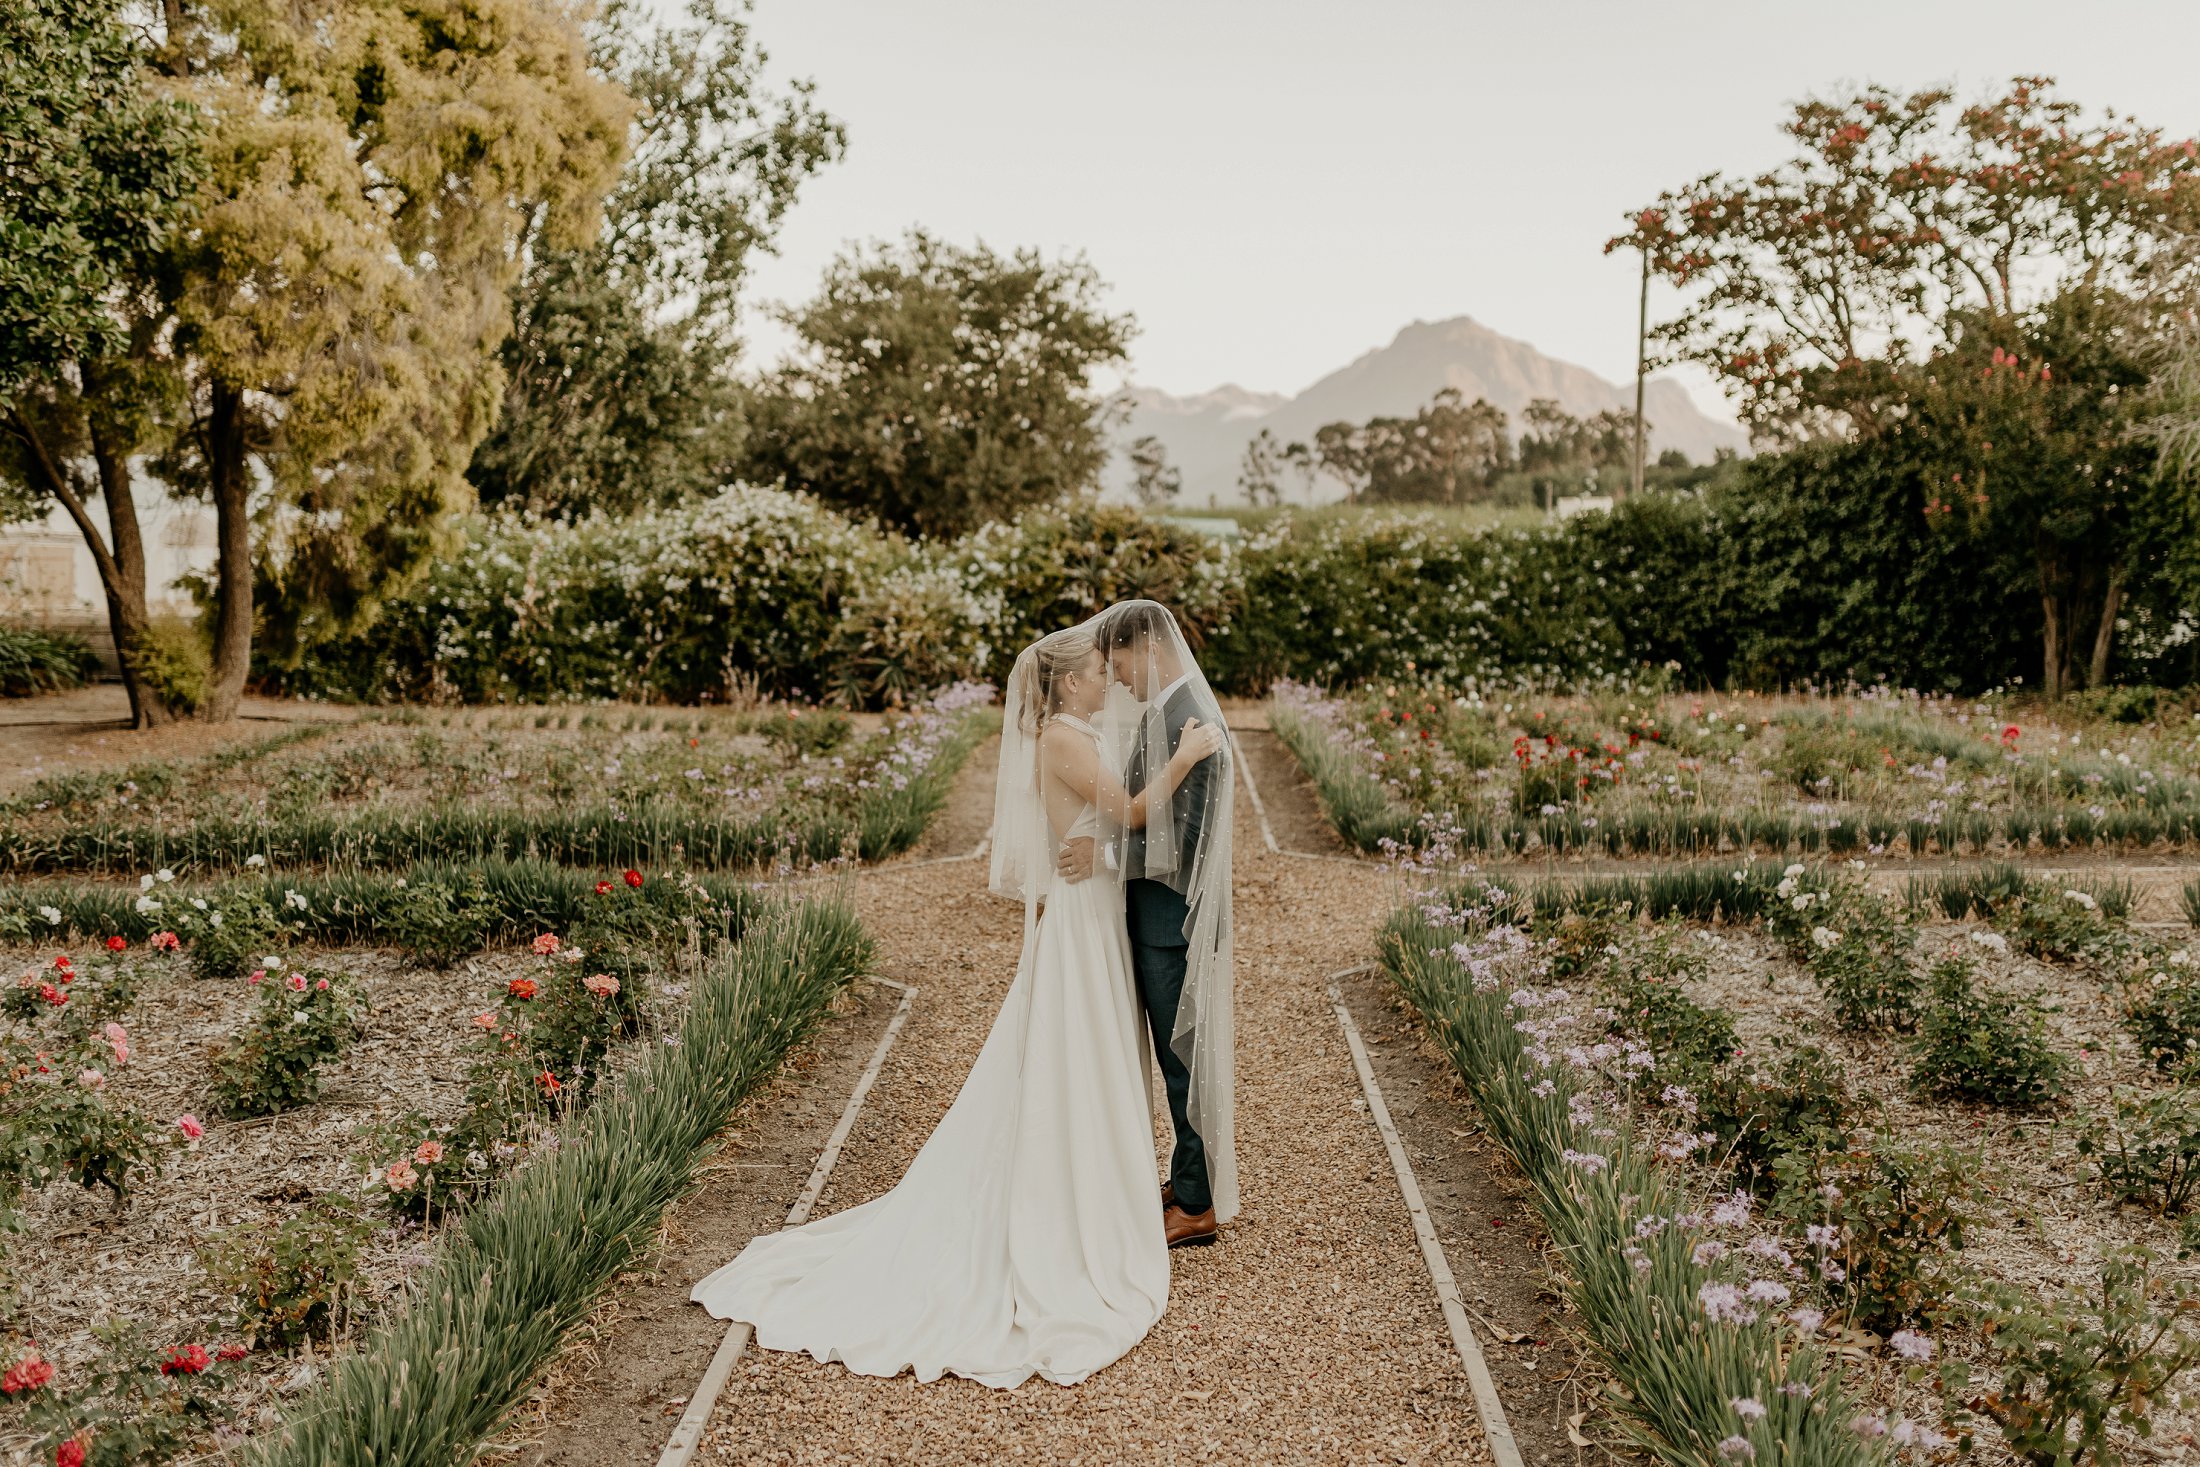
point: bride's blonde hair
(1053, 659)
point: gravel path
(1310, 1334)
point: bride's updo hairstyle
(1053, 659)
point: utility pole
(1642, 343)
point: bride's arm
(1071, 758)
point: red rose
(634, 878)
(603, 888)
(116, 944)
(27, 1374)
(69, 1454)
(184, 1360)
(231, 1352)
(521, 988)
(550, 1085)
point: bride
(1025, 1238)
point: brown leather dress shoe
(1188, 1229)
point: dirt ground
(89, 728)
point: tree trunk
(2051, 661)
(2104, 636)
(126, 609)
(227, 476)
(121, 568)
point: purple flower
(1808, 1320)
(1737, 1448)
(1724, 1304)
(1910, 1345)
(1708, 1252)
(1871, 1425)
(1765, 1291)
(1749, 1408)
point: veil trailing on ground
(1154, 685)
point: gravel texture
(1311, 1333)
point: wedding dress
(1025, 1239)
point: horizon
(1273, 193)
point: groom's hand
(1074, 861)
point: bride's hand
(1198, 742)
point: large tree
(1971, 280)
(318, 342)
(620, 390)
(936, 387)
(97, 171)
(1899, 217)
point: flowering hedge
(1814, 565)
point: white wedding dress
(1026, 1237)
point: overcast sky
(1274, 188)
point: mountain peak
(1206, 434)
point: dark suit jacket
(1155, 907)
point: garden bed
(585, 787)
(278, 1216)
(1627, 774)
(1955, 1135)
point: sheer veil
(1154, 686)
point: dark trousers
(1160, 974)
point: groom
(1141, 648)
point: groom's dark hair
(1135, 624)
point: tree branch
(57, 483)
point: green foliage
(2162, 1012)
(937, 388)
(2146, 1149)
(1360, 807)
(1649, 1000)
(306, 1018)
(288, 1281)
(2071, 1370)
(1636, 1287)
(34, 661)
(619, 389)
(1896, 1207)
(1760, 1112)
(136, 1404)
(512, 1278)
(697, 602)
(345, 907)
(2059, 923)
(171, 658)
(437, 924)
(56, 1117)
(230, 938)
(100, 168)
(1988, 1049)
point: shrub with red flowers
(137, 1402)
(27, 1372)
(274, 1063)
(57, 1116)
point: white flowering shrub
(679, 604)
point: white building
(48, 578)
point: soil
(620, 1385)
(1484, 1214)
(89, 728)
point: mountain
(1205, 435)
